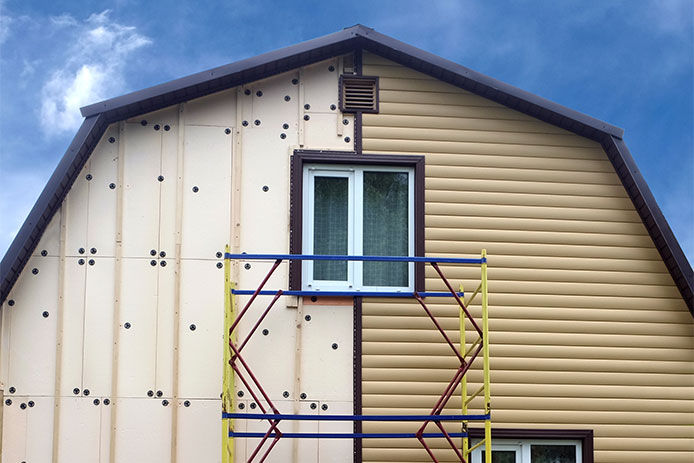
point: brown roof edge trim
(274, 62)
(49, 201)
(292, 54)
(408, 53)
(637, 187)
(315, 50)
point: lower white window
(531, 451)
(358, 210)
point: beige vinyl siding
(588, 330)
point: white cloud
(5, 24)
(63, 20)
(28, 70)
(93, 68)
(65, 92)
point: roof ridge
(357, 37)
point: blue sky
(630, 63)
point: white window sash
(523, 448)
(355, 174)
(308, 225)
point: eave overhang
(99, 115)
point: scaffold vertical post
(466, 356)
(228, 378)
(463, 382)
(485, 335)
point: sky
(630, 63)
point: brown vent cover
(358, 94)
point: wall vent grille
(358, 94)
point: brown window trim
(301, 157)
(584, 435)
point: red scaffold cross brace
(236, 355)
(253, 385)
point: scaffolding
(236, 367)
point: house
(112, 334)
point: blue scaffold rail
(438, 260)
(354, 435)
(289, 417)
(248, 292)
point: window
(358, 210)
(531, 451)
(348, 204)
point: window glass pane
(553, 454)
(502, 456)
(330, 217)
(386, 201)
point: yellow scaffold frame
(485, 389)
(228, 405)
(228, 379)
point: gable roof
(98, 116)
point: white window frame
(355, 176)
(522, 448)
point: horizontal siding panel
(656, 443)
(461, 99)
(480, 112)
(587, 327)
(667, 431)
(510, 186)
(526, 162)
(551, 225)
(390, 70)
(537, 390)
(532, 301)
(647, 443)
(481, 136)
(536, 338)
(651, 317)
(374, 455)
(535, 351)
(541, 249)
(498, 350)
(573, 263)
(516, 363)
(686, 432)
(530, 212)
(490, 149)
(577, 276)
(417, 456)
(525, 200)
(370, 59)
(541, 237)
(608, 302)
(435, 247)
(567, 288)
(536, 403)
(518, 162)
(532, 377)
(423, 322)
(477, 154)
(419, 85)
(640, 456)
(559, 416)
(460, 123)
(450, 170)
